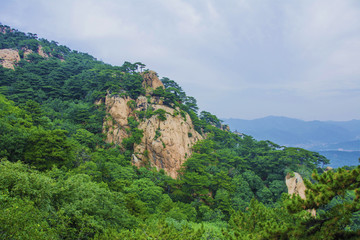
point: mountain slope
(94, 151)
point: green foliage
(47, 148)
(183, 114)
(84, 188)
(335, 196)
(132, 83)
(157, 134)
(20, 219)
(161, 229)
(86, 138)
(31, 44)
(34, 58)
(149, 112)
(210, 119)
(161, 114)
(131, 104)
(65, 207)
(147, 192)
(132, 123)
(14, 126)
(36, 113)
(90, 203)
(135, 137)
(260, 222)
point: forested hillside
(60, 178)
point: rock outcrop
(116, 125)
(166, 144)
(9, 57)
(173, 145)
(296, 186)
(40, 51)
(151, 80)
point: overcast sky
(239, 58)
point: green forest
(59, 179)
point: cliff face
(166, 144)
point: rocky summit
(166, 143)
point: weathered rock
(116, 123)
(9, 57)
(165, 144)
(151, 80)
(295, 185)
(27, 52)
(41, 52)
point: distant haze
(298, 133)
(338, 141)
(239, 59)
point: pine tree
(335, 196)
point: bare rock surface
(170, 149)
(151, 80)
(9, 57)
(166, 144)
(295, 185)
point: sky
(242, 59)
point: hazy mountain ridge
(295, 132)
(337, 140)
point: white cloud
(275, 56)
(326, 34)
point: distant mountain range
(339, 141)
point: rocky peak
(151, 80)
(166, 142)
